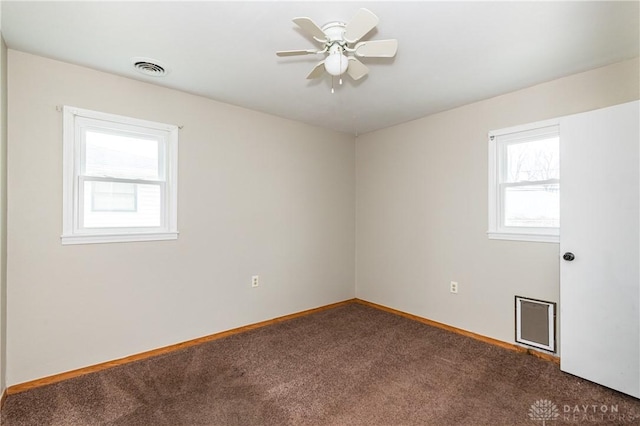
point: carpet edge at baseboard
(476, 336)
(22, 387)
(32, 384)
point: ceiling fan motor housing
(334, 31)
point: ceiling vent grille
(150, 67)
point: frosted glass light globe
(336, 64)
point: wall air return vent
(536, 323)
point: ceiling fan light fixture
(336, 63)
(339, 40)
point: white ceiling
(450, 53)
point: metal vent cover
(149, 66)
(536, 323)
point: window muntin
(120, 178)
(524, 183)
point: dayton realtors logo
(596, 413)
(543, 410)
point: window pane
(536, 206)
(121, 156)
(113, 197)
(532, 161)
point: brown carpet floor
(351, 365)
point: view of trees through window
(531, 185)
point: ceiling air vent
(150, 67)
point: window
(120, 178)
(524, 183)
(113, 197)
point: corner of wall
(3, 213)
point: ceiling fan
(341, 43)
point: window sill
(535, 238)
(118, 238)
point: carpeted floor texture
(352, 365)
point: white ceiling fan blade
(377, 49)
(296, 52)
(311, 28)
(317, 71)
(356, 69)
(363, 22)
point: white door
(600, 226)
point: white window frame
(498, 139)
(75, 123)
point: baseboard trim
(3, 397)
(496, 342)
(22, 387)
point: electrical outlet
(255, 281)
(454, 287)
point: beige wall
(421, 207)
(268, 196)
(3, 213)
(257, 195)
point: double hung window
(524, 183)
(120, 178)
